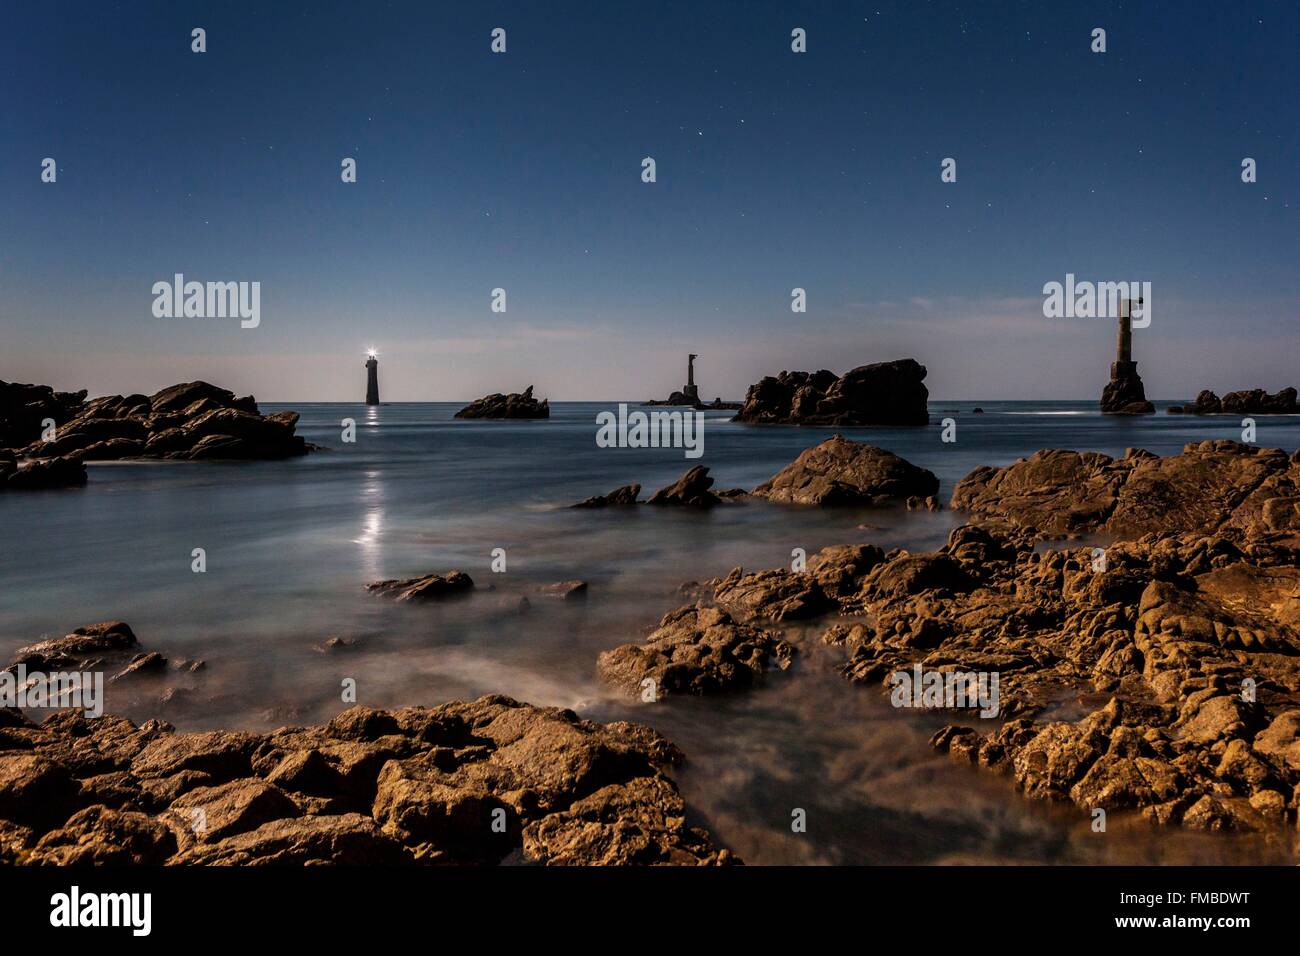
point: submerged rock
(514, 405)
(840, 471)
(430, 587)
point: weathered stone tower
(372, 380)
(1125, 394)
(691, 391)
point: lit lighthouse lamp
(372, 376)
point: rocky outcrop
(514, 405)
(623, 495)
(691, 489)
(24, 409)
(65, 472)
(425, 589)
(1125, 394)
(695, 650)
(840, 471)
(886, 393)
(472, 782)
(191, 421)
(1221, 486)
(1253, 402)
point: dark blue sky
(522, 171)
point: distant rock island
(1253, 402)
(514, 405)
(690, 393)
(1124, 394)
(56, 432)
(886, 393)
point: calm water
(290, 546)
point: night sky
(523, 171)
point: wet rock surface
(1221, 486)
(466, 782)
(513, 405)
(425, 589)
(841, 471)
(886, 393)
(696, 649)
(1158, 675)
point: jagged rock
(191, 421)
(1125, 395)
(841, 471)
(514, 405)
(1220, 486)
(369, 788)
(778, 595)
(691, 489)
(430, 587)
(696, 650)
(886, 393)
(623, 495)
(78, 650)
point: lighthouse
(372, 377)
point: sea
(804, 769)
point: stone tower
(1125, 394)
(691, 391)
(372, 380)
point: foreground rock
(418, 785)
(514, 405)
(1221, 486)
(191, 421)
(1253, 402)
(429, 588)
(840, 471)
(695, 650)
(886, 393)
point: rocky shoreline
(1155, 672)
(1160, 674)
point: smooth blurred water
(290, 546)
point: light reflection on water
(290, 546)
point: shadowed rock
(514, 405)
(886, 393)
(691, 489)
